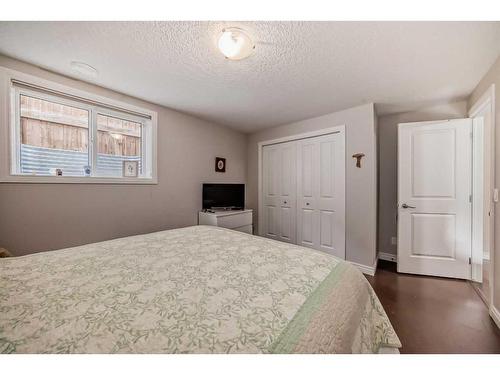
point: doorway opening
(484, 196)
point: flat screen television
(223, 196)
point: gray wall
(37, 217)
(493, 77)
(361, 184)
(388, 163)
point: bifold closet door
(321, 193)
(279, 191)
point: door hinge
(470, 198)
(470, 260)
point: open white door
(434, 198)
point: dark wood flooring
(433, 314)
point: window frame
(122, 116)
(94, 104)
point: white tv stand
(240, 220)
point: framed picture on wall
(130, 168)
(220, 164)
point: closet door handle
(307, 204)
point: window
(53, 136)
(117, 140)
(59, 137)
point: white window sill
(25, 179)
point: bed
(198, 289)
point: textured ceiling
(299, 69)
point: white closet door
(279, 191)
(321, 193)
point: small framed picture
(130, 168)
(220, 165)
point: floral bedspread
(192, 290)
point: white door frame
(488, 99)
(260, 145)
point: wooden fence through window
(58, 126)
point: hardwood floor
(433, 314)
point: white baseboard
(388, 256)
(367, 270)
(495, 315)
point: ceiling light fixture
(84, 69)
(235, 44)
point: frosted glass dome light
(235, 44)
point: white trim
(24, 179)
(483, 100)
(315, 133)
(479, 291)
(8, 147)
(481, 202)
(367, 270)
(495, 315)
(388, 257)
(488, 98)
(260, 145)
(430, 122)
